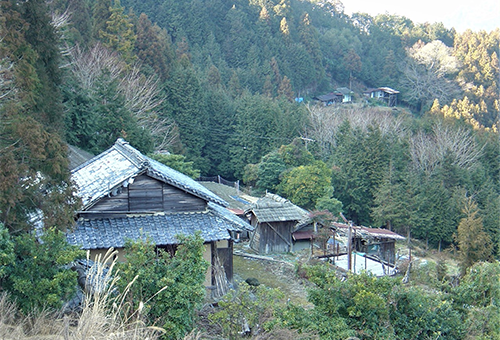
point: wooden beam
(284, 239)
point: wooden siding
(273, 237)
(146, 194)
(226, 259)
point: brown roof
(366, 232)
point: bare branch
(143, 96)
(429, 151)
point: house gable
(145, 194)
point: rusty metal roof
(366, 232)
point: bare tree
(142, 94)
(428, 151)
(426, 72)
(324, 122)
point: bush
(40, 276)
(167, 289)
(247, 309)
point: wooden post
(349, 245)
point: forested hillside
(216, 82)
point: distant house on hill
(127, 195)
(275, 220)
(386, 94)
(330, 98)
(346, 94)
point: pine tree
(153, 47)
(474, 244)
(118, 33)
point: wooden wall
(146, 194)
(275, 237)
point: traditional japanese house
(127, 195)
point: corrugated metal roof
(119, 165)
(161, 229)
(369, 232)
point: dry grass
(101, 317)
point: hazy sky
(461, 14)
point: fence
(220, 180)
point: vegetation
(36, 272)
(166, 289)
(214, 85)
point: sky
(460, 14)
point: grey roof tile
(274, 208)
(120, 164)
(160, 229)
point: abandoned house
(127, 195)
(376, 243)
(275, 220)
(386, 94)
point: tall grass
(101, 318)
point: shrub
(167, 289)
(40, 276)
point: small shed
(386, 94)
(274, 219)
(374, 242)
(330, 98)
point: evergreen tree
(34, 174)
(101, 12)
(118, 33)
(473, 242)
(42, 38)
(152, 47)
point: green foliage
(118, 33)
(473, 242)
(7, 255)
(296, 153)
(167, 288)
(40, 276)
(305, 184)
(249, 305)
(478, 296)
(97, 117)
(361, 159)
(269, 172)
(177, 162)
(332, 205)
(382, 308)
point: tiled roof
(161, 229)
(119, 165)
(237, 224)
(274, 208)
